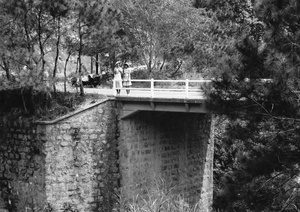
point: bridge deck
(163, 96)
(131, 105)
(159, 95)
(179, 89)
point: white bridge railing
(152, 88)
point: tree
(27, 32)
(140, 24)
(233, 19)
(264, 113)
(163, 31)
(58, 10)
(94, 24)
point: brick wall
(174, 147)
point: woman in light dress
(127, 78)
(118, 77)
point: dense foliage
(34, 35)
(166, 34)
(250, 47)
(257, 150)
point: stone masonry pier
(86, 159)
(176, 148)
(70, 161)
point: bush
(140, 74)
(36, 104)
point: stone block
(93, 136)
(64, 143)
(65, 126)
(67, 137)
(84, 137)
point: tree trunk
(91, 65)
(79, 58)
(41, 45)
(65, 72)
(29, 44)
(113, 61)
(162, 65)
(177, 69)
(5, 67)
(97, 64)
(57, 54)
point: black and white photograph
(149, 105)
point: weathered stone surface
(22, 172)
(60, 162)
(80, 163)
(174, 147)
(87, 158)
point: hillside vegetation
(250, 48)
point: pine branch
(267, 181)
(270, 115)
(286, 202)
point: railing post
(186, 88)
(114, 88)
(152, 87)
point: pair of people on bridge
(125, 72)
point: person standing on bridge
(118, 77)
(127, 78)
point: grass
(161, 198)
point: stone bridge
(122, 146)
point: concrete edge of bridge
(148, 99)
